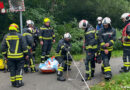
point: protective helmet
(124, 15)
(83, 24)
(128, 18)
(14, 27)
(106, 20)
(99, 18)
(67, 35)
(29, 22)
(46, 20)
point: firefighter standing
(99, 25)
(107, 37)
(126, 42)
(91, 46)
(14, 49)
(30, 43)
(46, 37)
(63, 57)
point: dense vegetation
(65, 16)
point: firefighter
(91, 46)
(46, 37)
(99, 25)
(125, 40)
(63, 57)
(30, 43)
(14, 48)
(35, 33)
(107, 37)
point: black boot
(102, 69)
(19, 84)
(108, 76)
(92, 73)
(13, 84)
(26, 69)
(61, 78)
(123, 70)
(87, 77)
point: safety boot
(102, 69)
(92, 73)
(26, 69)
(123, 70)
(87, 77)
(60, 76)
(19, 83)
(13, 84)
(108, 76)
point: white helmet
(67, 35)
(106, 20)
(83, 24)
(29, 22)
(124, 15)
(99, 18)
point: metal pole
(21, 22)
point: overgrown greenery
(118, 82)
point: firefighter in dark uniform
(63, 57)
(14, 48)
(107, 37)
(91, 46)
(46, 37)
(126, 20)
(30, 43)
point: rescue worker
(46, 37)
(126, 43)
(107, 37)
(99, 25)
(91, 46)
(14, 48)
(30, 43)
(62, 56)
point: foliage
(118, 82)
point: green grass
(117, 53)
(118, 82)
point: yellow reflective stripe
(44, 28)
(14, 56)
(42, 56)
(91, 47)
(17, 45)
(103, 43)
(126, 44)
(25, 34)
(53, 36)
(106, 69)
(13, 37)
(3, 52)
(12, 79)
(28, 47)
(112, 41)
(93, 31)
(40, 37)
(8, 46)
(47, 38)
(25, 51)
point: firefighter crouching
(107, 37)
(14, 48)
(46, 37)
(63, 57)
(30, 43)
(91, 45)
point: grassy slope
(118, 82)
